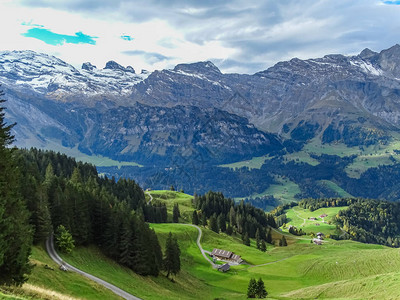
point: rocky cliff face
(194, 108)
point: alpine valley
(321, 127)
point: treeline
(111, 214)
(225, 215)
(314, 204)
(265, 202)
(371, 221)
(279, 213)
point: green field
(254, 163)
(284, 190)
(300, 218)
(302, 270)
(172, 197)
(97, 160)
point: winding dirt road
(54, 256)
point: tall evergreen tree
(221, 222)
(258, 240)
(252, 288)
(176, 213)
(172, 260)
(195, 218)
(261, 292)
(203, 219)
(246, 239)
(263, 246)
(283, 241)
(64, 240)
(213, 225)
(269, 237)
(15, 232)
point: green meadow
(300, 218)
(302, 270)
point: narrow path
(151, 197)
(304, 220)
(203, 252)
(55, 257)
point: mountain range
(196, 111)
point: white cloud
(242, 35)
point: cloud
(52, 38)
(152, 57)
(242, 35)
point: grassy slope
(55, 284)
(299, 217)
(172, 197)
(284, 190)
(300, 271)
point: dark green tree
(263, 246)
(252, 288)
(172, 260)
(15, 232)
(229, 229)
(203, 219)
(246, 239)
(172, 188)
(269, 237)
(213, 225)
(261, 292)
(64, 240)
(221, 222)
(195, 218)
(176, 213)
(283, 241)
(258, 239)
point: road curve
(203, 252)
(54, 256)
(151, 198)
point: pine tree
(195, 218)
(213, 224)
(64, 240)
(172, 261)
(246, 239)
(269, 237)
(229, 230)
(203, 219)
(176, 213)
(252, 288)
(221, 222)
(263, 246)
(258, 240)
(261, 292)
(15, 232)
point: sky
(238, 36)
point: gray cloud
(150, 57)
(261, 32)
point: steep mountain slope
(194, 109)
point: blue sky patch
(392, 2)
(56, 39)
(127, 37)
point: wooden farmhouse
(224, 268)
(226, 256)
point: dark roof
(224, 267)
(221, 253)
(236, 257)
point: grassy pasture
(172, 197)
(300, 218)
